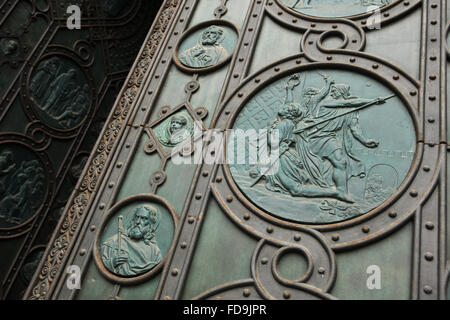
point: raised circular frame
(238, 108)
(26, 143)
(198, 27)
(30, 106)
(151, 198)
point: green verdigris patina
(133, 250)
(136, 239)
(341, 150)
(176, 129)
(334, 8)
(208, 47)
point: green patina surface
(334, 8)
(223, 254)
(333, 162)
(393, 255)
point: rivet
(205, 173)
(429, 256)
(83, 252)
(413, 93)
(183, 245)
(298, 61)
(230, 199)
(247, 216)
(191, 220)
(111, 184)
(246, 293)
(434, 5)
(198, 196)
(335, 237)
(433, 22)
(352, 59)
(264, 260)
(431, 120)
(175, 272)
(277, 69)
(257, 80)
(287, 294)
(432, 98)
(433, 58)
(93, 228)
(329, 58)
(321, 270)
(375, 66)
(102, 206)
(297, 237)
(426, 168)
(240, 94)
(413, 193)
(429, 225)
(396, 77)
(219, 179)
(366, 229)
(269, 229)
(433, 77)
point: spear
(343, 114)
(119, 242)
(316, 124)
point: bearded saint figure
(134, 251)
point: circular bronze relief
(133, 242)
(206, 46)
(60, 93)
(23, 185)
(321, 146)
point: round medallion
(321, 146)
(60, 92)
(334, 8)
(135, 238)
(23, 185)
(206, 46)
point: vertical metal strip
(176, 271)
(428, 249)
(128, 144)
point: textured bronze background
(130, 159)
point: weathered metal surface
(141, 125)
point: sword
(315, 124)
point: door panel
(356, 207)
